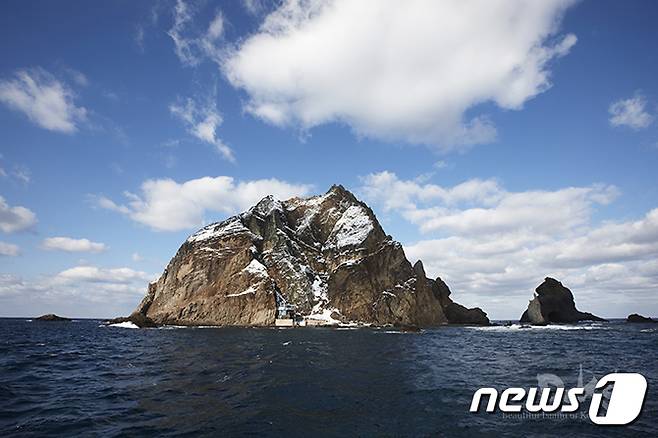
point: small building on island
(285, 315)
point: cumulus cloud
(86, 291)
(46, 101)
(191, 45)
(493, 247)
(549, 211)
(165, 205)
(380, 187)
(69, 244)
(483, 206)
(413, 71)
(12, 286)
(630, 112)
(609, 243)
(9, 249)
(14, 219)
(93, 274)
(202, 120)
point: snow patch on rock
(352, 228)
(216, 230)
(319, 289)
(250, 290)
(324, 315)
(256, 268)
(312, 206)
(267, 205)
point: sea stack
(322, 260)
(554, 303)
(456, 313)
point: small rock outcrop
(52, 317)
(456, 313)
(139, 319)
(635, 318)
(326, 257)
(554, 303)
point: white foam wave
(126, 324)
(523, 327)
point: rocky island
(554, 303)
(323, 260)
(636, 318)
(52, 317)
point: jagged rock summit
(326, 257)
(554, 303)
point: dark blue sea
(84, 379)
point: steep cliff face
(554, 303)
(326, 255)
(455, 313)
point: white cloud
(12, 286)
(43, 99)
(166, 205)
(482, 206)
(380, 187)
(81, 291)
(533, 210)
(190, 45)
(139, 37)
(136, 257)
(78, 77)
(9, 249)
(22, 174)
(69, 244)
(93, 274)
(609, 243)
(14, 219)
(630, 112)
(202, 121)
(108, 204)
(19, 173)
(493, 247)
(253, 7)
(408, 71)
(215, 28)
(182, 46)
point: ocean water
(84, 379)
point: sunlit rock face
(326, 255)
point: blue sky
(499, 143)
